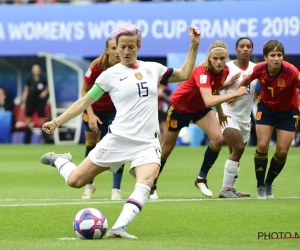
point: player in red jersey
(187, 104)
(277, 106)
(100, 115)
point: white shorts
(244, 128)
(113, 151)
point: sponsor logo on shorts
(85, 117)
(173, 123)
(258, 115)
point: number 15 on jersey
(143, 89)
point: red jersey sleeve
(296, 80)
(201, 77)
(92, 74)
(256, 73)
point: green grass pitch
(37, 208)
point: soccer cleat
(240, 193)
(261, 193)
(50, 158)
(153, 192)
(120, 232)
(269, 191)
(116, 194)
(227, 193)
(88, 191)
(202, 185)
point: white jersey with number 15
(134, 94)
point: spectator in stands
(34, 98)
(5, 103)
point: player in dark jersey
(277, 107)
(34, 98)
(100, 115)
(193, 101)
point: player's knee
(238, 149)
(281, 152)
(217, 141)
(148, 177)
(74, 181)
(262, 147)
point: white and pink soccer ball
(90, 223)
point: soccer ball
(90, 223)
(184, 136)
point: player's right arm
(80, 105)
(211, 100)
(232, 81)
(74, 110)
(253, 76)
(203, 81)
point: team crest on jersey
(223, 80)
(262, 81)
(258, 115)
(173, 123)
(148, 71)
(281, 83)
(138, 76)
(244, 76)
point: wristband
(56, 125)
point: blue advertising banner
(83, 29)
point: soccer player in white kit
(133, 135)
(237, 131)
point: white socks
(133, 205)
(236, 176)
(230, 171)
(64, 167)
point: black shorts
(281, 120)
(33, 105)
(176, 121)
(162, 116)
(105, 116)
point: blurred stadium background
(63, 36)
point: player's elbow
(209, 103)
(184, 75)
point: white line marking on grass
(106, 201)
(65, 238)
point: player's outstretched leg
(117, 179)
(50, 158)
(60, 161)
(89, 188)
(131, 209)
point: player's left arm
(187, 67)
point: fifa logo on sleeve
(203, 79)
